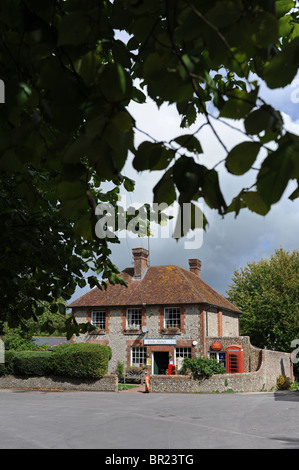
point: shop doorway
(160, 360)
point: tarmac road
(103, 420)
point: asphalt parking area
(102, 420)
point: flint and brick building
(165, 313)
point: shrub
(201, 367)
(283, 383)
(2, 369)
(14, 341)
(120, 369)
(81, 360)
(8, 367)
(31, 362)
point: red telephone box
(234, 359)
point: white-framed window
(134, 318)
(172, 317)
(98, 318)
(138, 356)
(180, 354)
(219, 356)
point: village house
(165, 313)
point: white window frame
(134, 318)
(172, 317)
(101, 322)
(182, 352)
(139, 354)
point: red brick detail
(219, 320)
(162, 348)
(143, 317)
(88, 317)
(161, 319)
(183, 317)
(195, 266)
(104, 342)
(107, 321)
(140, 261)
(123, 319)
(202, 330)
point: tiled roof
(161, 285)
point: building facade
(165, 313)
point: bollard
(146, 384)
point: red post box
(171, 369)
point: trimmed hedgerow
(80, 360)
(31, 363)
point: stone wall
(108, 383)
(273, 364)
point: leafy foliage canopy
(65, 127)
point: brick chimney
(140, 261)
(195, 266)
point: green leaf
(236, 205)
(188, 177)
(122, 121)
(281, 70)
(73, 29)
(164, 191)
(241, 158)
(138, 95)
(10, 163)
(88, 66)
(225, 12)
(129, 184)
(61, 308)
(121, 54)
(265, 29)
(295, 194)
(21, 95)
(71, 189)
(152, 156)
(261, 119)
(283, 6)
(239, 104)
(275, 173)
(116, 83)
(286, 24)
(255, 202)
(212, 192)
(189, 142)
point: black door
(161, 360)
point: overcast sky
(230, 243)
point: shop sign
(216, 346)
(159, 341)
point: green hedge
(32, 363)
(8, 368)
(81, 360)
